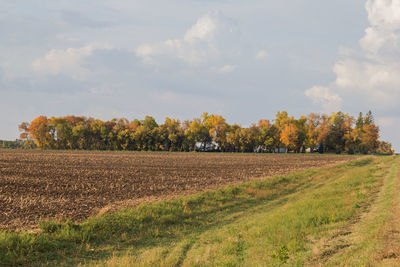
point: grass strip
(369, 239)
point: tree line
(12, 144)
(338, 132)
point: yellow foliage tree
(289, 136)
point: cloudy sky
(244, 60)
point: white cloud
(225, 69)
(383, 12)
(376, 73)
(373, 73)
(378, 82)
(206, 40)
(67, 62)
(324, 97)
(261, 54)
(204, 29)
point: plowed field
(36, 185)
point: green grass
(368, 236)
(276, 221)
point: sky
(245, 60)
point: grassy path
(345, 215)
(375, 239)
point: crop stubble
(36, 185)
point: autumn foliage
(338, 133)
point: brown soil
(36, 185)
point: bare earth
(36, 185)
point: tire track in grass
(390, 254)
(340, 239)
(363, 238)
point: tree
(301, 126)
(365, 135)
(149, 122)
(246, 139)
(198, 131)
(313, 121)
(385, 148)
(289, 136)
(233, 137)
(369, 118)
(265, 137)
(24, 129)
(171, 134)
(62, 133)
(40, 132)
(81, 133)
(100, 133)
(281, 120)
(335, 141)
(369, 140)
(189, 141)
(360, 121)
(324, 129)
(217, 128)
